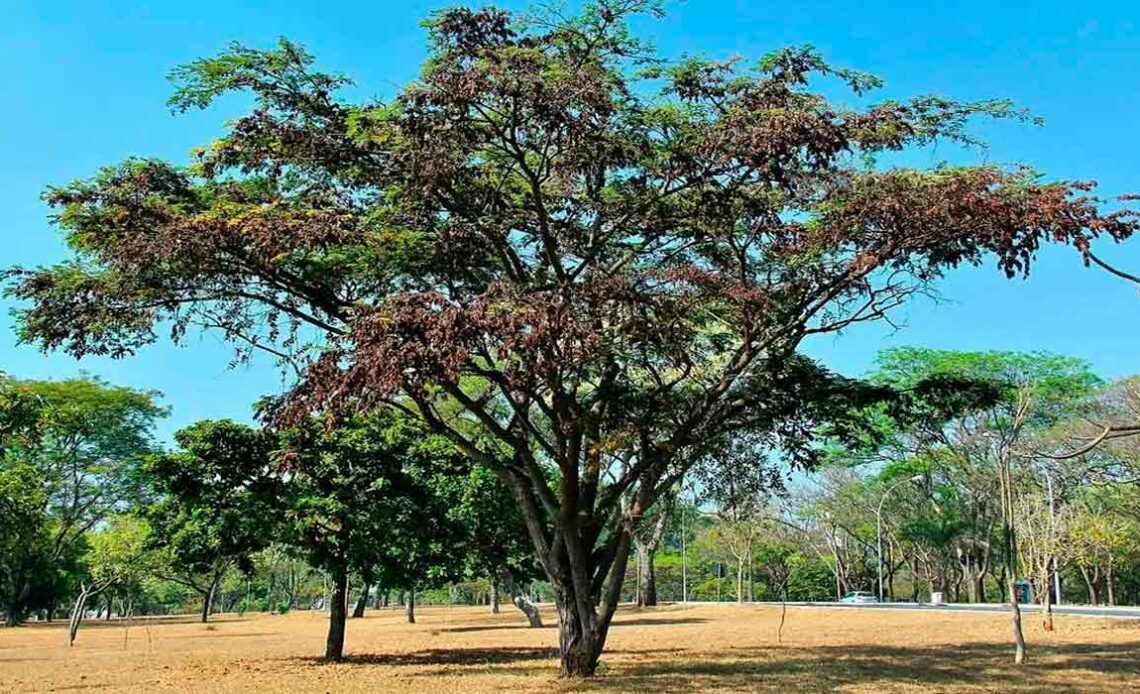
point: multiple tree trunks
(85, 593)
(579, 644)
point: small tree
(357, 499)
(215, 504)
(1047, 541)
(118, 555)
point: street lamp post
(879, 523)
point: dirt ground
(672, 648)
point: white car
(858, 597)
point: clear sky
(83, 85)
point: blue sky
(84, 85)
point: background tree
(25, 539)
(494, 531)
(596, 261)
(1032, 392)
(215, 503)
(357, 499)
(83, 454)
(118, 556)
(1046, 542)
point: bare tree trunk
(1047, 602)
(207, 600)
(740, 579)
(783, 613)
(1018, 635)
(650, 597)
(1011, 562)
(494, 597)
(1110, 588)
(85, 592)
(338, 607)
(533, 616)
(362, 601)
(410, 606)
(1090, 583)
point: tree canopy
(553, 240)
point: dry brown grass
(688, 649)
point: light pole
(879, 523)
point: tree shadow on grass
(1060, 668)
(446, 656)
(988, 666)
(649, 621)
(119, 623)
(493, 627)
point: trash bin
(936, 598)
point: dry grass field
(685, 649)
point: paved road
(1078, 610)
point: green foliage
(119, 552)
(70, 455)
(215, 500)
(479, 505)
(359, 498)
(809, 579)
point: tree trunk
(646, 575)
(1091, 585)
(494, 596)
(1110, 588)
(338, 606)
(740, 579)
(1010, 533)
(85, 592)
(207, 599)
(579, 644)
(411, 606)
(1018, 635)
(584, 618)
(650, 590)
(533, 616)
(17, 601)
(362, 601)
(1047, 603)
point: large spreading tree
(553, 241)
